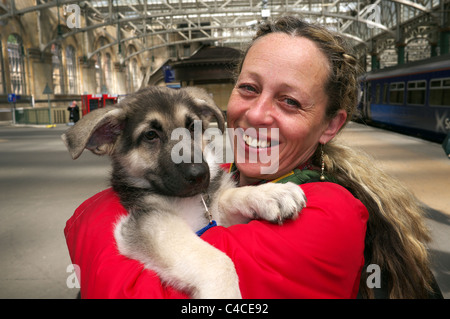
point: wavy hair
(396, 234)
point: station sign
(12, 98)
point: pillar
(375, 63)
(444, 40)
(401, 53)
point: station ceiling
(232, 22)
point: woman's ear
(334, 125)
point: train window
(435, 83)
(396, 92)
(377, 94)
(440, 92)
(416, 92)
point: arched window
(129, 79)
(71, 68)
(16, 64)
(132, 76)
(57, 70)
(100, 67)
(99, 73)
(135, 74)
(108, 72)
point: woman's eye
(248, 88)
(151, 135)
(291, 102)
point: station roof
(232, 22)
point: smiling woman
(302, 78)
(279, 88)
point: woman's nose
(260, 112)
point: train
(412, 98)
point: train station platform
(421, 165)
(41, 187)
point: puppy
(164, 198)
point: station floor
(40, 187)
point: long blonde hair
(396, 233)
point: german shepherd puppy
(163, 198)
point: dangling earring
(322, 176)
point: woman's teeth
(254, 142)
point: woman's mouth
(261, 139)
(258, 146)
(255, 142)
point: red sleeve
(319, 255)
(104, 273)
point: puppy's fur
(163, 198)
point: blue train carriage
(413, 98)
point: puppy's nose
(195, 173)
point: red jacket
(319, 255)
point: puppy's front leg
(164, 243)
(271, 201)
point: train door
(365, 100)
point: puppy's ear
(207, 105)
(97, 131)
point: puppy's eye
(151, 135)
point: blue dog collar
(210, 225)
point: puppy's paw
(278, 202)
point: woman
(300, 79)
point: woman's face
(279, 98)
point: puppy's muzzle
(195, 177)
